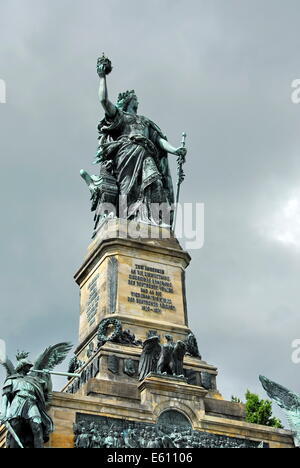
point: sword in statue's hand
(181, 177)
(61, 374)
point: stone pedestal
(107, 411)
(132, 285)
(137, 279)
(163, 393)
(106, 373)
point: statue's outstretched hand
(101, 70)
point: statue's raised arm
(104, 68)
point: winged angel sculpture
(288, 401)
(26, 396)
(166, 359)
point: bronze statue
(26, 397)
(166, 362)
(123, 436)
(149, 358)
(133, 158)
(179, 352)
(166, 359)
(192, 346)
(288, 401)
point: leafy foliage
(258, 411)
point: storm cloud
(221, 71)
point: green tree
(259, 411)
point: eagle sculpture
(166, 359)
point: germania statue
(133, 159)
(26, 397)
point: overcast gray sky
(220, 70)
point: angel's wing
(293, 418)
(149, 357)
(52, 356)
(288, 401)
(10, 368)
(284, 398)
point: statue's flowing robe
(26, 396)
(138, 162)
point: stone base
(160, 393)
(137, 279)
(106, 371)
(157, 396)
(143, 405)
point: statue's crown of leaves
(22, 355)
(123, 97)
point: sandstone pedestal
(164, 393)
(137, 279)
(132, 285)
